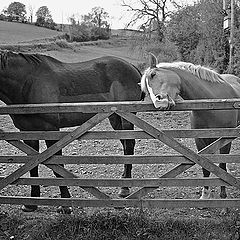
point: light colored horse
(164, 82)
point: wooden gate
(185, 159)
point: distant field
(12, 33)
(30, 38)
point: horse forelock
(143, 83)
(199, 71)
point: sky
(61, 10)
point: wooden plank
(66, 174)
(138, 194)
(53, 149)
(136, 106)
(207, 152)
(137, 203)
(123, 159)
(195, 158)
(212, 148)
(58, 169)
(121, 134)
(123, 182)
(23, 147)
(141, 194)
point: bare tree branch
(151, 14)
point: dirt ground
(162, 120)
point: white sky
(61, 10)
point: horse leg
(223, 194)
(119, 123)
(202, 143)
(224, 150)
(35, 189)
(128, 147)
(63, 189)
(206, 191)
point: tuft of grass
(119, 225)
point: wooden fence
(184, 160)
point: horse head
(160, 84)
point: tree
(97, 20)
(197, 30)
(44, 18)
(183, 29)
(92, 26)
(17, 11)
(213, 40)
(152, 13)
(98, 17)
(79, 32)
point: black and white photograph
(120, 120)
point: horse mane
(199, 71)
(3, 59)
(31, 58)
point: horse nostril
(159, 97)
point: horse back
(97, 80)
(100, 79)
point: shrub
(85, 32)
(63, 43)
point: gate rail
(185, 159)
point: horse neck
(9, 90)
(193, 88)
(12, 82)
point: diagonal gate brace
(171, 142)
(63, 172)
(49, 152)
(210, 149)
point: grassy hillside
(12, 33)
(29, 38)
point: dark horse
(163, 82)
(34, 78)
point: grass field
(12, 33)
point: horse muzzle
(163, 101)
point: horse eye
(153, 74)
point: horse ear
(152, 60)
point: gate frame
(123, 109)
